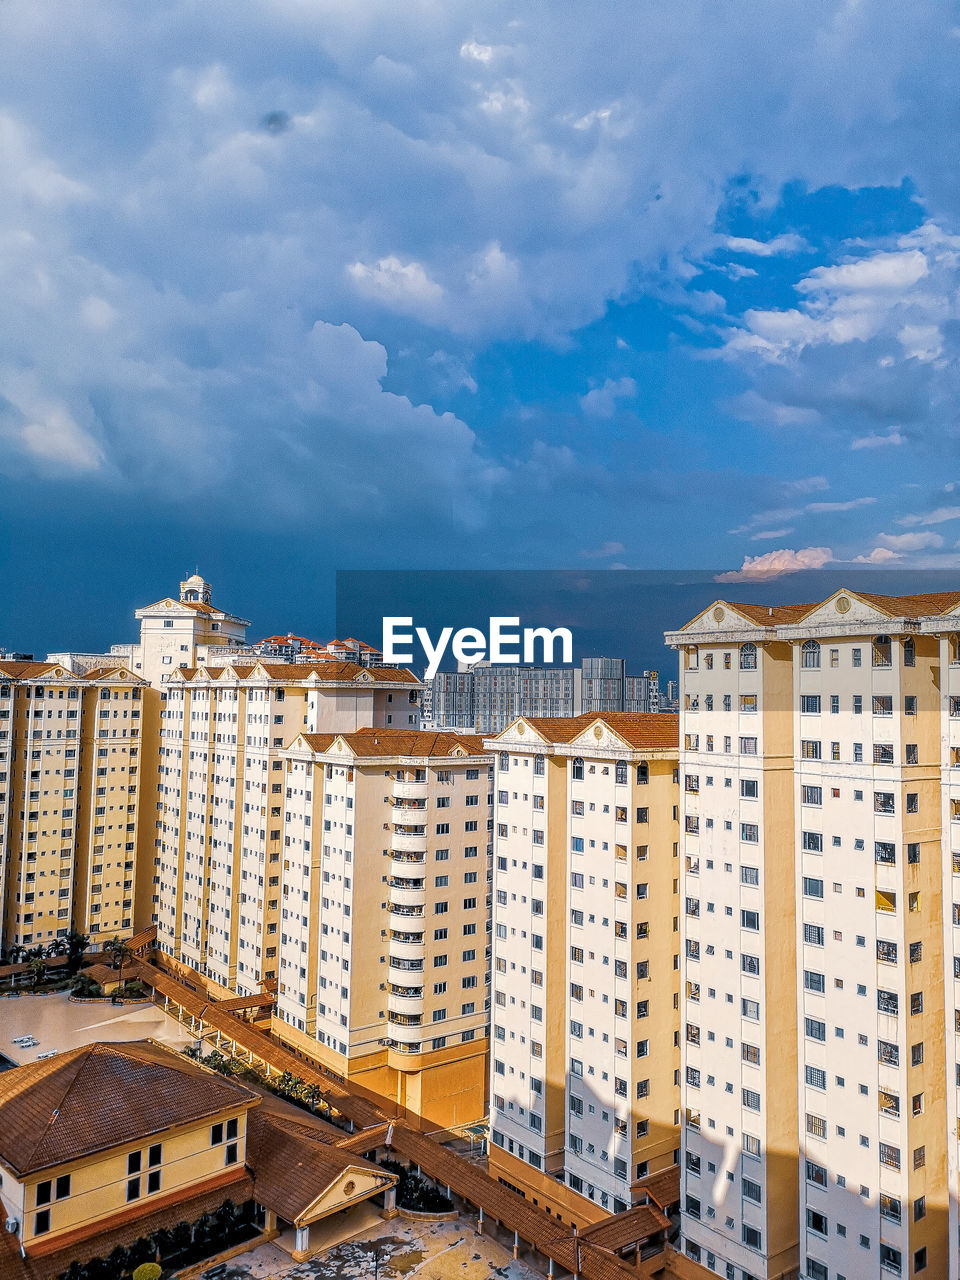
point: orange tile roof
(922, 605)
(765, 615)
(80, 1102)
(927, 605)
(399, 742)
(652, 730)
(293, 1163)
(25, 670)
(662, 1187)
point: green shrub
(148, 1271)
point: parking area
(56, 1022)
(388, 1250)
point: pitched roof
(293, 1163)
(399, 742)
(651, 730)
(25, 670)
(926, 605)
(331, 670)
(102, 1096)
(771, 615)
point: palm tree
(37, 967)
(58, 947)
(119, 954)
(77, 944)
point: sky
(309, 285)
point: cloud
(879, 555)
(765, 535)
(890, 438)
(602, 402)
(938, 516)
(870, 350)
(852, 503)
(601, 553)
(773, 564)
(909, 541)
(767, 248)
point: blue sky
(307, 285)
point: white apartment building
(217, 842)
(818, 888)
(584, 1054)
(70, 793)
(385, 914)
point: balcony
(405, 966)
(405, 1002)
(410, 790)
(408, 895)
(406, 944)
(409, 840)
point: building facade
(817, 749)
(584, 1051)
(384, 930)
(217, 842)
(71, 786)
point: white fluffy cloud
(774, 564)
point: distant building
(486, 697)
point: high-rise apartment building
(490, 696)
(601, 684)
(71, 757)
(641, 694)
(585, 1055)
(218, 837)
(385, 914)
(820, 1076)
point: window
(810, 704)
(810, 749)
(41, 1222)
(748, 657)
(810, 654)
(578, 768)
(881, 651)
(812, 795)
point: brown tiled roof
(633, 1226)
(766, 615)
(365, 1140)
(331, 671)
(654, 730)
(416, 743)
(98, 673)
(923, 605)
(662, 1187)
(101, 1096)
(25, 670)
(931, 604)
(293, 1164)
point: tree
(58, 947)
(37, 968)
(77, 944)
(86, 988)
(148, 1271)
(119, 954)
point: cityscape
(479, 640)
(663, 990)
